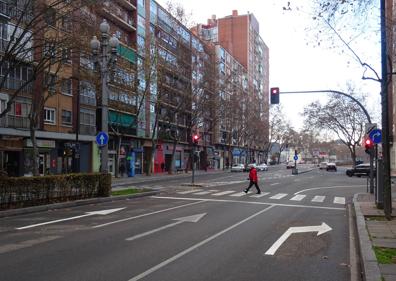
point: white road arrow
(103, 212)
(193, 218)
(323, 228)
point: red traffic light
(274, 95)
(368, 145)
(195, 138)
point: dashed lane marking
(318, 198)
(278, 196)
(298, 197)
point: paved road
(204, 233)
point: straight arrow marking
(103, 212)
(323, 228)
(194, 218)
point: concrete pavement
(374, 230)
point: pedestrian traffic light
(274, 95)
(368, 145)
(195, 139)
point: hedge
(32, 191)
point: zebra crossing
(274, 196)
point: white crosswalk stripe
(223, 193)
(298, 197)
(189, 191)
(238, 194)
(279, 196)
(318, 199)
(205, 192)
(260, 195)
(339, 200)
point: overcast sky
(296, 65)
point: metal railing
(12, 121)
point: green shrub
(32, 191)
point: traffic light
(274, 95)
(195, 139)
(368, 145)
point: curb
(371, 271)
(62, 205)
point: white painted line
(298, 197)
(339, 200)
(275, 183)
(238, 194)
(205, 192)
(202, 200)
(192, 248)
(279, 196)
(318, 198)
(260, 195)
(148, 214)
(297, 180)
(223, 193)
(102, 213)
(326, 187)
(189, 191)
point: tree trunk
(35, 154)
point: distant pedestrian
(253, 180)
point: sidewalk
(374, 230)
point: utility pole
(385, 116)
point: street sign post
(376, 136)
(102, 139)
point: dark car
(360, 170)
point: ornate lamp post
(105, 56)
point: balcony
(11, 121)
(128, 4)
(122, 19)
(87, 130)
(11, 11)
(16, 84)
(87, 100)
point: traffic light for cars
(274, 95)
(195, 139)
(368, 145)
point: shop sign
(41, 143)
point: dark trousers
(256, 185)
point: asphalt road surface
(297, 229)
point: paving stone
(388, 269)
(385, 243)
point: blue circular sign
(102, 139)
(295, 157)
(376, 136)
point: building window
(66, 87)
(2, 105)
(49, 115)
(66, 55)
(66, 117)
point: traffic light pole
(193, 164)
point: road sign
(369, 127)
(376, 136)
(295, 157)
(102, 139)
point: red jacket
(253, 175)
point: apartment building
(239, 36)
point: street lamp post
(105, 56)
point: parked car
(323, 165)
(331, 167)
(237, 168)
(248, 166)
(262, 167)
(360, 170)
(290, 165)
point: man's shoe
(246, 191)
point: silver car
(237, 168)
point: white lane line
(326, 187)
(189, 191)
(248, 202)
(260, 195)
(223, 193)
(192, 248)
(275, 183)
(318, 198)
(339, 200)
(205, 192)
(278, 196)
(298, 197)
(297, 180)
(148, 214)
(238, 194)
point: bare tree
(341, 116)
